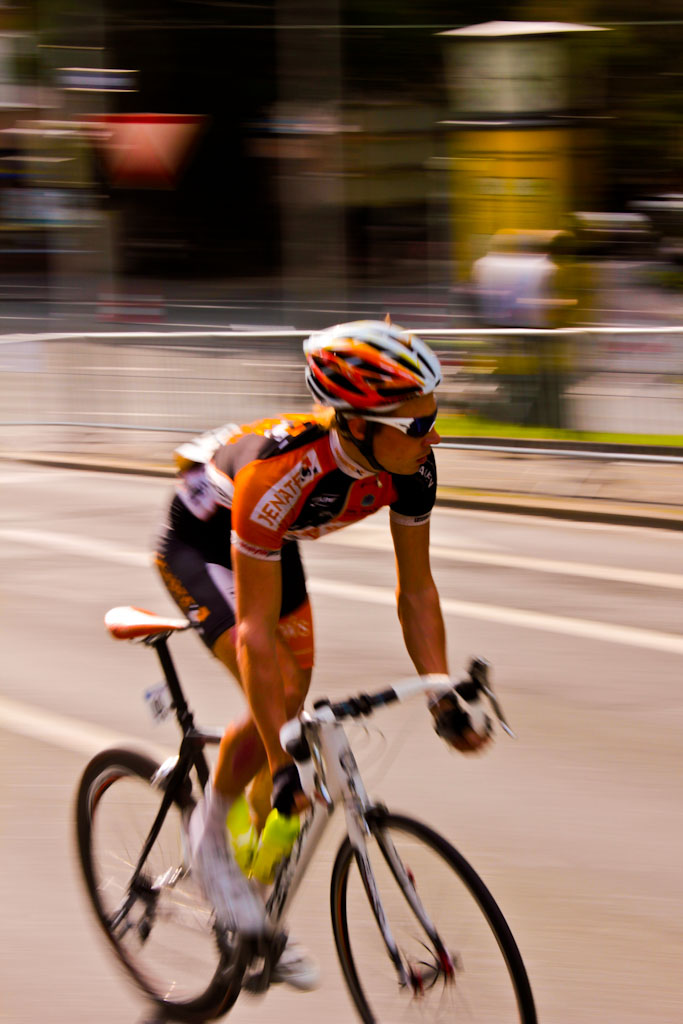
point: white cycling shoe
(296, 967)
(237, 906)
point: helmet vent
(405, 361)
(398, 393)
(361, 364)
(342, 382)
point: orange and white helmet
(368, 365)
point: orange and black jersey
(289, 478)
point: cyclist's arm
(419, 611)
(419, 608)
(258, 591)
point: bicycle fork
(409, 976)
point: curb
(572, 509)
(94, 465)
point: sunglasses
(420, 426)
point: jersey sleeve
(416, 495)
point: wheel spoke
(160, 925)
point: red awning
(145, 150)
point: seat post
(183, 712)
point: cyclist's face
(398, 452)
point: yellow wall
(513, 178)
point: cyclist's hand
(462, 723)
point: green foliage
(476, 426)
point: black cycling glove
(457, 710)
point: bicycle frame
(336, 780)
(173, 775)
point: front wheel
(150, 907)
(436, 947)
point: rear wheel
(460, 962)
(157, 921)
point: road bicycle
(417, 932)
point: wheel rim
(163, 930)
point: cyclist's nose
(433, 437)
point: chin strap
(366, 444)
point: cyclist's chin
(419, 461)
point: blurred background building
(507, 167)
(345, 108)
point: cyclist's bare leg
(241, 753)
(297, 681)
(296, 687)
(258, 795)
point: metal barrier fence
(148, 380)
(618, 379)
(598, 379)
(608, 454)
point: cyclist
(229, 556)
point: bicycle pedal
(227, 942)
(256, 982)
(267, 952)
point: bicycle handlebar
(363, 704)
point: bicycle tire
(488, 981)
(116, 806)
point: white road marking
(631, 636)
(85, 546)
(70, 733)
(644, 577)
(24, 473)
(29, 476)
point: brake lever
(479, 674)
(493, 700)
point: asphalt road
(575, 826)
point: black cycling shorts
(193, 558)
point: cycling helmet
(368, 365)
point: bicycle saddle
(128, 623)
